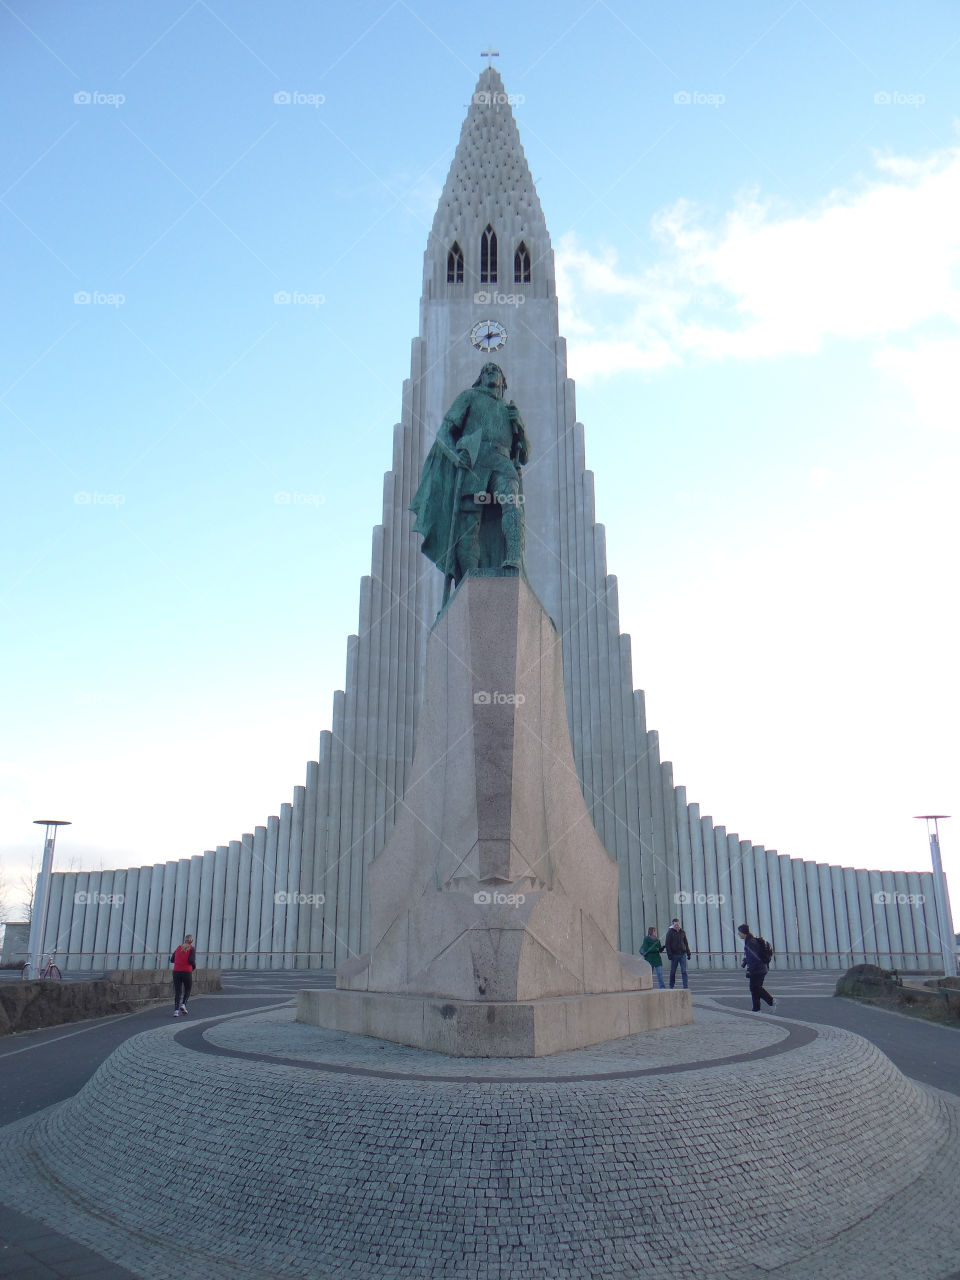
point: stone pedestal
(493, 919)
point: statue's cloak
(437, 492)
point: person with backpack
(184, 961)
(757, 955)
(652, 946)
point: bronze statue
(469, 505)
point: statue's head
(492, 379)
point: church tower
(489, 292)
(294, 891)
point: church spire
(489, 186)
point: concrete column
(777, 936)
(253, 944)
(348, 915)
(89, 932)
(735, 863)
(240, 940)
(335, 897)
(321, 882)
(880, 910)
(603, 675)
(685, 884)
(698, 883)
(671, 836)
(807, 960)
(817, 936)
(634, 869)
(649, 907)
(867, 922)
(839, 890)
(831, 945)
(790, 917)
(386, 765)
(228, 943)
(280, 905)
(191, 916)
(663, 898)
(714, 922)
(178, 920)
(851, 897)
(270, 888)
(153, 948)
(141, 921)
(60, 925)
(130, 946)
(915, 888)
(293, 877)
(362, 693)
(205, 909)
(727, 942)
(308, 864)
(891, 919)
(588, 725)
(120, 881)
(104, 910)
(748, 876)
(768, 929)
(167, 941)
(50, 934)
(215, 944)
(616, 795)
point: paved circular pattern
(721, 1038)
(820, 1160)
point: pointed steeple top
(489, 179)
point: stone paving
(794, 1162)
(718, 1036)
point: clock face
(488, 335)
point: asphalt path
(39, 1068)
(926, 1051)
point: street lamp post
(941, 897)
(41, 897)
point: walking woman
(184, 961)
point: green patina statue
(469, 505)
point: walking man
(678, 952)
(754, 961)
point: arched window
(455, 264)
(488, 256)
(521, 264)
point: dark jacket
(651, 951)
(751, 956)
(676, 943)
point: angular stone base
(495, 1029)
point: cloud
(928, 369)
(875, 263)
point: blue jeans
(658, 970)
(680, 960)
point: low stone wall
(938, 999)
(27, 1006)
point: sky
(755, 210)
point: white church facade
(293, 893)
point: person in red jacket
(184, 961)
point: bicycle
(49, 970)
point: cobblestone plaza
(258, 1147)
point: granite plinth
(495, 1029)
